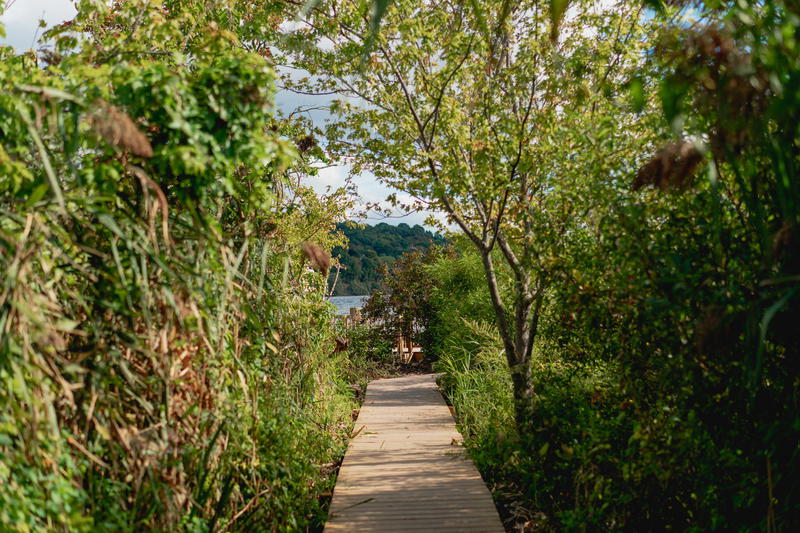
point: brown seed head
(118, 129)
(317, 256)
(671, 167)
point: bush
(164, 353)
(630, 430)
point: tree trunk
(523, 397)
(521, 373)
(518, 343)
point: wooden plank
(406, 470)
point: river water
(344, 303)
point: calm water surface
(344, 303)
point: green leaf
(36, 195)
(479, 17)
(48, 168)
(109, 222)
(378, 10)
(557, 10)
(308, 6)
(637, 95)
(50, 92)
(673, 92)
(544, 448)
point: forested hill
(372, 246)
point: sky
(21, 22)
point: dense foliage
(617, 324)
(165, 355)
(369, 248)
(619, 331)
(402, 308)
(636, 427)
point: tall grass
(164, 353)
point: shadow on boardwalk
(406, 470)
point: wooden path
(405, 470)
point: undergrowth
(165, 351)
(622, 437)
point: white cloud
(328, 179)
(21, 20)
(370, 191)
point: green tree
(498, 127)
(370, 247)
(404, 308)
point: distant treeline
(369, 248)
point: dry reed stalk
(148, 183)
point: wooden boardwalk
(405, 470)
